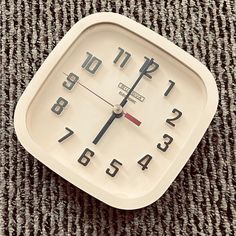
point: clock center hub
(118, 110)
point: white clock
(117, 110)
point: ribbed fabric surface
(201, 201)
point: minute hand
(144, 71)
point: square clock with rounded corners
(117, 110)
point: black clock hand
(118, 113)
(126, 114)
(104, 128)
(144, 71)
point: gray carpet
(201, 201)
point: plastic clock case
(105, 35)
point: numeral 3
(166, 144)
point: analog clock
(117, 110)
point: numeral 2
(179, 114)
(59, 106)
(145, 161)
(85, 157)
(166, 144)
(116, 169)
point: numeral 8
(59, 106)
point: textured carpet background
(201, 201)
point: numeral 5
(116, 169)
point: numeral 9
(71, 81)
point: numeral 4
(145, 161)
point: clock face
(116, 110)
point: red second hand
(132, 119)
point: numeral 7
(70, 132)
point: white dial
(117, 113)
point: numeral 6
(85, 157)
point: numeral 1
(70, 132)
(172, 83)
(166, 144)
(145, 161)
(127, 56)
(91, 63)
(59, 106)
(114, 164)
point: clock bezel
(20, 121)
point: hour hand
(116, 113)
(104, 128)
